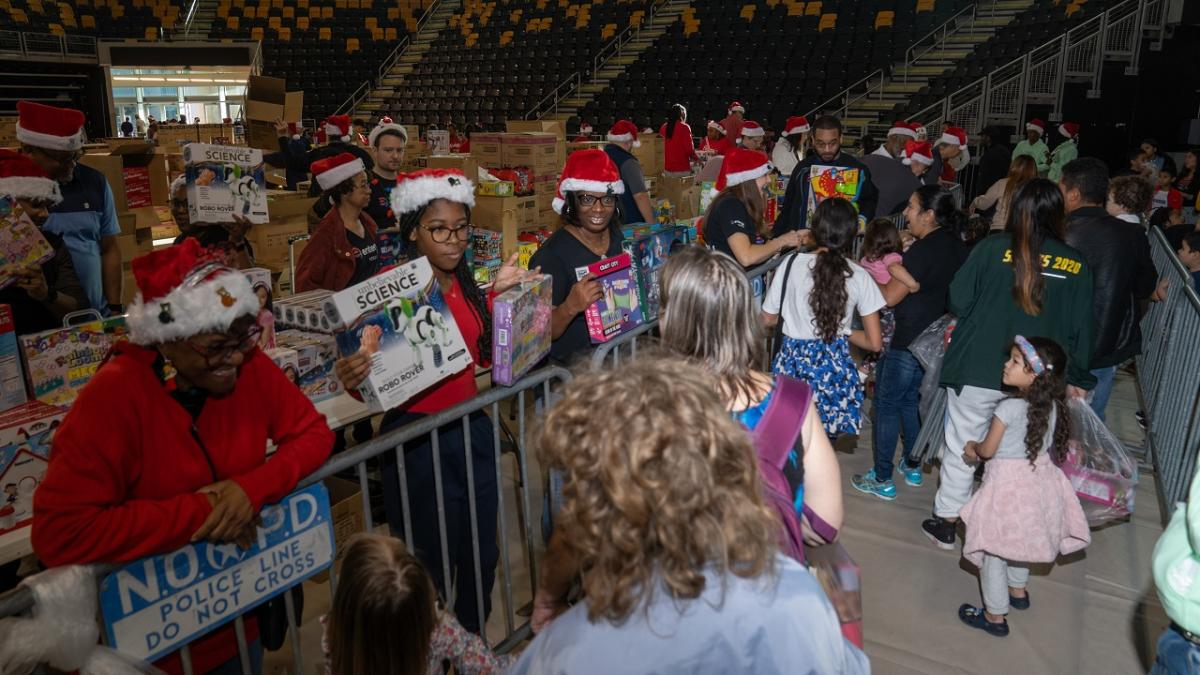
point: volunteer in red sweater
(678, 150)
(146, 463)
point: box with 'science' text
(224, 181)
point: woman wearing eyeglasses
(590, 232)
(734, 221)
(145, 463)
(434, 210)
(343, 250)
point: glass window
(172, 92)
(189, 92)
(125, 92)
(239, 90)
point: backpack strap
(776, 433)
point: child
(1166, 196)
(1026, 510)
(882, 260)
(385, 618)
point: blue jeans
(1176, 656)
(1104, 386)
(897, 387)
(234, 666)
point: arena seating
(100, 18)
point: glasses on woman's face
(219, 352)
(588, 201)
(441, 235)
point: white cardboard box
(223, 180)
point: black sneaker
(1141, 419)
(974, 617)
(940, 531)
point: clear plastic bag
(930, 349)
(1103, 474)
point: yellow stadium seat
(301, 4)
(351, 45)
(231, 22)
(68, 21)
(248, 12)
(285, 34)
(371, 22)
(324, 33)
(340, 4)
(828, 22)
(747, 12)
(275, 22)
(389, 34)
(637, 18)
(924, 6)
(354, 4)
(377, 34)
(314, 12)
(289, 13)
(367, 4)
(326, 12)
(302, 23)
(609, 30)
(885, 19)
(88, 21)
(393, 14)
(222, 12)
(812, 9)
(256, 33)
(151, 32)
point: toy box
(617, 311)
(484, 271)
(58, 363)
(316, 354)
(525, 251)
(305, 311)
(12, 383)
(649, 253)
(25, 435)
(402, 321)
(288, 361)
(21, 243)
(521, 329)
(832, 181)
(486, 244)
(390, 247)
(495, 188)
(260, 281)
(224, 180)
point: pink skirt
(1024, 513)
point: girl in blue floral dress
(815, 295)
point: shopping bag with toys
(1102, 472)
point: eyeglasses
(221, 351)
(590, 200)
(441, 235)
(62, 156)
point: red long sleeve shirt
(678, 151)
(124, 467)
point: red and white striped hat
(713, 124)
(1069, 129)
(752, 129)
(44, 126)
(416, 189)
(338, 127)
(736, 107)
(920, 152)
(796, 124)
(588, 171)
(331, 171)
(954, 136)
(23, 178)
(742, 165)
(902, 128)
(624, 131)
(1036, 125)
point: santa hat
(624, 131)
(43, 126)
(796, 125)
(585, 129)
(588, 171)
(22, 178)
(1036, 125)
(920, 152)
(902, 128)
(416, 189)
(183, 291)
(713, 124)
(1069, 129)
(338, 127)
(294, 130)
(742, 165)
(736, 107)
(331, 171)
(386, 124)
(753, 129)
(954, 136)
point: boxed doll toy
(400, 319)
(21, 243)
(618, 310)
(25, 435)
(260, 281)
(649, 253)
(224, 180)
(12, 382)
(58, 363)
(521, 329)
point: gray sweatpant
(995, 577)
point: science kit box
(400, 319)
(58, 363)
(25, 435)
(521, 329)
(618, 310)
(223, 180)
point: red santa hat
(954, 136)
(797, 124)
(416, 189)
(585, 129)
(920, 152)
(588, 171)
(183, 291)
(338, 127)
(294, 130)
(624, 131)
(1036, 125)
(742, 165)
(713, 124)
(1069, 129)
(736, 107)
(753, 129)
(386, 124)
(331, 171)
(44, 126)
(22, 178)
(902, 128)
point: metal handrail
(48, 44)
(910, 57)
(846, 92)
(571, 83)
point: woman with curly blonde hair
(677, 550)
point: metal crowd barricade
(20, 601)
(1168, 371)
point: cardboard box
(507, 215)
(271, 241)
(538, 151)
(267, 100)
(488, 149)
(132, 246)
(8, 132)
(465, 163)
(224, 180)
(650, 154)
(284, 204)
(346, 511)
(674, 188)
(556, 127)
(26, 433)
(140, 162)
(12, 382)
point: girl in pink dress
(1026, 510)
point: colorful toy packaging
(649, 253)
(832, 181)
(288, 361)
(402, 321)
(389, 247)
(21, 243)
(618, 310)
(58, 363)
(12, 382)
(315, 355)
(260, 281)
(25, 435)
(223, 180)
(305, 311)
(1104, 476)
(484, 271)
(495, 188)
(521, 329)
(841, 578)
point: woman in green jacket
(1024, 281)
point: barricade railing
(20, 601)
(1168, 371)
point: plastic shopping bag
(1103, 474)
(930, 350)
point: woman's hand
(352, 370)
(585, 292)
(546, 608)
(969, 454)
(510, 275)
(30, 279)
(232, 517)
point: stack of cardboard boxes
(541, 148)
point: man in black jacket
(827, 143)
(1122, 272)
(993, 164)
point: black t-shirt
(366, 259)
(726, 218)
(932, 261)
(380, 206)
(559, 257)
